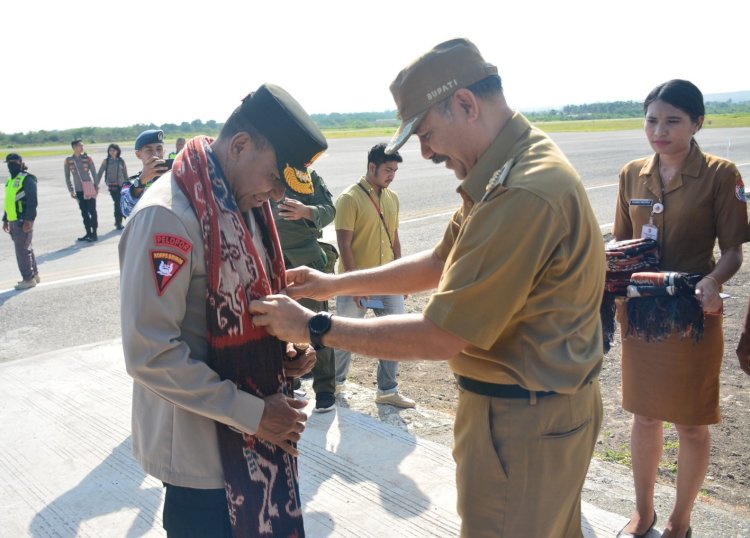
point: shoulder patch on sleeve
(739, 189)
(165, 265)
(169, 240)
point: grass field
(728, 120)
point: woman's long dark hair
(117, 149)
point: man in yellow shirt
(367, 234)
(519, 276)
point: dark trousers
(114, 192)
(24, 252)
(196, 513)
(88, 212)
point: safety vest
(172, 155)
(14, 196)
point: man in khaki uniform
(519, 276)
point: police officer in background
(18, 218)
(149, 148)
(300, 219)
(83, 187)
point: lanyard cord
(380, 214)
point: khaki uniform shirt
(524, 269)
(700, 205)
(176, 395)
(80, 169)
(355, 212)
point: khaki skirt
(675, 380)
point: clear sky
(77, 63)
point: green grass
(577, 126)
(621, 455)
(728, 120)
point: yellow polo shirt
(524, 269)
(356, 213)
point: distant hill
(735, 97)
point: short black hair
(378, 156)
(237, 123)
(75, 142)
(681, 94)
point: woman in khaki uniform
(686, 200)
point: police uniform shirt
(701, 204)
(176, 395)
(524, 269)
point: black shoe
(119, 226)
(324, 402)
(84, 238)
(93, 237)
(622, 534)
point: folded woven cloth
(631, 255)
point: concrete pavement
(67, 468)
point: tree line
(625, 109)
(336, 120)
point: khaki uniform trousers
(521, 463)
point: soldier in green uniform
(300, 219)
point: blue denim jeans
(345, 307)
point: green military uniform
(299, 242)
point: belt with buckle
(495, 390)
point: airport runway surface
(78, 299)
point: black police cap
(289, 129)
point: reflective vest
(172, 155)
(14, 196)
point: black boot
(85, 237)
(92, 237)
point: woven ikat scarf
(260, 479)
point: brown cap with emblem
(289, 129)
(431, 78)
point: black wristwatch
(319, 325)
(136, 184)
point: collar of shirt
(501, 149)
(367, 186)
(691, 167)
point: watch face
(320, 323)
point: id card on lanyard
(650, 231)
